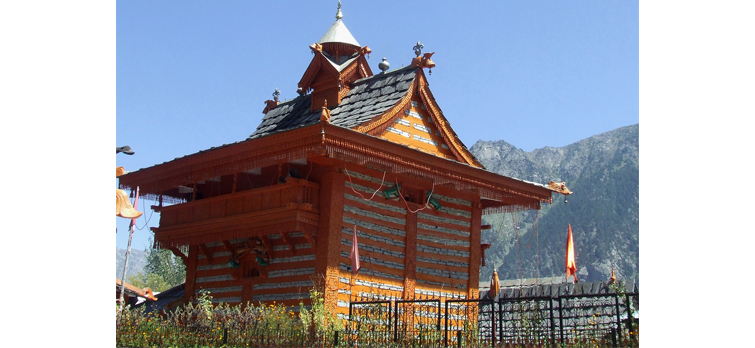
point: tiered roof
(339, 91)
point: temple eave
(333, 144)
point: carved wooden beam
(178, 253)
(287, 239)
(206, 252)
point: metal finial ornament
(339, 15)
(384, 65)
(418, 49)
(276, 94)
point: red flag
(136, 203)
(571, 264)
(354, 253)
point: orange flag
(571, 264)
(494, 286)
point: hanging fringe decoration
(360, 195)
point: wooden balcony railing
(277, 208)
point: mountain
(603, 172)
(136, 262)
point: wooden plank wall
(442, 243)
(286, 280)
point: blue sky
(191, 75)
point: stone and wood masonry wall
(403, 254)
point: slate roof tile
(369, 97)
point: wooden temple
(266, 218)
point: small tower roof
(338, 34)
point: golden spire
(339, 15)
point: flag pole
(128, 250)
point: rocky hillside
(603, 173)
(136, 262)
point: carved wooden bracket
(559, 187)
(178, 253)
(325, 113)
(316, 47)
(269, 105)
(206, 252)
(238, 252)
(230, 247)
(424, 61)
(310, 238)
(290, 243)
(266, 243)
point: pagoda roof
(338, 33)
(369, 97)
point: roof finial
(384, 65)
(276, 94)
(418, 49)
(339, 15)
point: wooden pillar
(475, 252)
(410, 262)
(191, 272)
(247, 286)
(328, 249)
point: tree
(150, 280)
(162, 272)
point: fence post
(458, 339)
(492, 321)
(630, 319)
(335, 343)
(561, 319)
(225, 336)
(395, 322)
(500, 319)
(553, 321)
(446, 330)
(618, 316)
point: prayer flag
(494, 286)
(354, 253)
(571, 264)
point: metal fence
(534, 316)
(538, 315)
